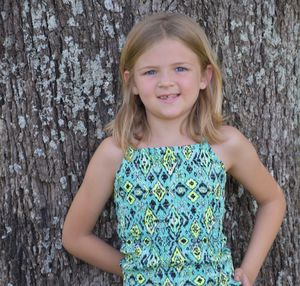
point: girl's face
(168, 77)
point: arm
(250, 172)
(86, 207)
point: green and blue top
(170, 208)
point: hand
(240, 275)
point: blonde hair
(130, 124)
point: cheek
(135, 86)
(198, 84)
(145, 86)
(191, 83)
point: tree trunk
(59, 86)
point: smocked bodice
(170, 207)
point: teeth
(167, 96)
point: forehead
(167, 51)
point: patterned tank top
(170, 207)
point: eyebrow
(182, 63)
(147, 68)
(174, 64)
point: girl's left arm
(249, 171)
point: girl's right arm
(97, 187)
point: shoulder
(233, 147)
(110, 145)
(233, 140)
(230, 134)
(97, 185)
(109, 154)
(245, 166)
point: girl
(166, 163)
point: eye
(150, 72)
(180, 69)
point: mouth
(168, 97)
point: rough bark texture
(59, 87)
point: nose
(165, 84)
(165, 80)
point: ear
(206, 77)
(126, 77)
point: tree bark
(59, 86)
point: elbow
(72, 239)
(276, 204)
(284, 204)
(67, 239)
(280, 203)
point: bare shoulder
(110, 145)
(231, 135)
(233, 140)
(233, 146)
(101, 170)
(95, 190)
(244, 165)
(109, 153)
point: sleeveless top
(170, 208)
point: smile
(168, 97)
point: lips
(168, 97)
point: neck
(166, 133)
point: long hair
(130, 124)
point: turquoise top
(170, 208)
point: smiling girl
(166, 164)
